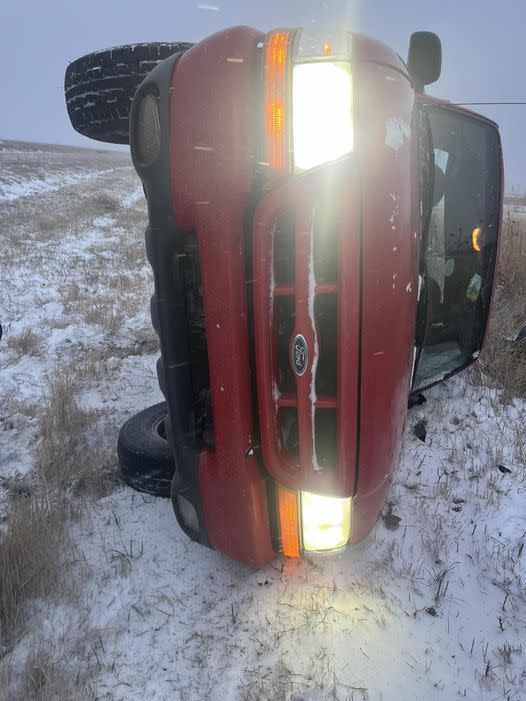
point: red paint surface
(212, 171)
(371, 50)
(391, 233)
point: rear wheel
(100, 87)
(145, 458)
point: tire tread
(100, 86)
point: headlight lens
(325, 522)
(148, 134)
(323, 127)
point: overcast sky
(484, 49)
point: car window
(460, 248)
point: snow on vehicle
(324, 238)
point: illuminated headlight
(148, 130)
(322, 113)
(308, 99)
(325, 522)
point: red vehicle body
(311, 284)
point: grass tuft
(504, 359)
(105, 203)
(66, 456)
(30, 545)
(25, 343)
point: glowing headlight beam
(323, 127)
(325, 522)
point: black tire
(100, 87)
(145, 458)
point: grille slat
(290, 400)
(284, 291)
(322, 288)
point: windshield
(461, 243)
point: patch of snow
(134, 197)
(393, 219)
(10, 191)
(104, 222)
(397, 131)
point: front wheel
(145, 459)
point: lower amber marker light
(288, 521)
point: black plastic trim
(164, 246)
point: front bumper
(222, 481)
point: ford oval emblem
(299, 355)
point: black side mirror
(424, 61)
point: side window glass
(459, 251)
(435, 254)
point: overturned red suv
(324, 238)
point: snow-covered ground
(432, 609)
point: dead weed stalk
(66, 455)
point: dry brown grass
(132, 255)
(512, 261)
(74, 457)
(30, 545)
(43, 676)
(503, 360)
(104, 203)
(104, 312)
(24, 343)
(133, 221)
(70, 453)
(41, 680)
(48, 224)
(71, 296)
